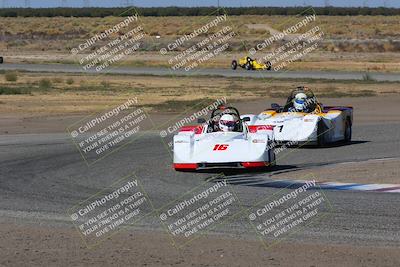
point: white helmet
(299, 101)
(227, 123)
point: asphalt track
(43, 175)
(333, 75)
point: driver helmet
(227, 123)
(299, 101)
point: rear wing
(341, 108)
(346, 110)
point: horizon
(199, 3)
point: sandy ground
(34, 245)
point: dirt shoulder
(34, 245)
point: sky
(191, 3)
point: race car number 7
(220, 147)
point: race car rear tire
(269, 65)
(347, 131)
(248, 66)
(321, 131)
(1, 60)
(234, 64)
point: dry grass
(352, 27)
(91, 94)
(62, 34)
(349, 43)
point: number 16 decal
(220, 147)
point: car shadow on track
(253, 178)
(335, 144)
(264, 170)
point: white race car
(315, 125)
(205, 146)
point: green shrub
(70, 81)
(11, 76)
(105, 84)
(14, 91)
(57, 80)
(45, 83)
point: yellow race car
(250, 64)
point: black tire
(248, 66)
(1, 60)
(321, 134)
(234, 64)
(269, 65)
(347, 131)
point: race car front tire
(321, 131)
(347, 131)
(269, 65)
(248, 66)
(1, 60)
(234, 64)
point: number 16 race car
(303, 120)
(225, 141)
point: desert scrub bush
(57, 80)
(258, 31)
(70, 81)
(105, 84)
(11, 76)
(45, 83)
(14, 90)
